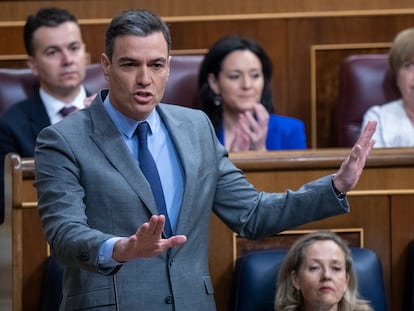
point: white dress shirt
(54, 105)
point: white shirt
(54, 105)
(394, 128)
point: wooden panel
(325, 63)
(402, 222)
(290, 40)
(12, 9)
(29, 247)
(306, 33)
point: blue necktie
(150, 171)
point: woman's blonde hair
(402, 50)
(289, 299)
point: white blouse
(394, 128)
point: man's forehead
(62, 34)
(133, 46)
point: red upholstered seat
(19, 84)
(182, 84)
(365, 80)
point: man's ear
(105, 62)
(31, 63)
(212, 82)
(169, 64)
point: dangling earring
(217, 100)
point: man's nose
(143, 76)
(67, 57)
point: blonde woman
(317, 275)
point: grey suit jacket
(91, 189)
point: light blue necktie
(150, 171)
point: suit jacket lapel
(107, 137)
(179, 135)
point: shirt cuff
(105, 254)
(340, 195)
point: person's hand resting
(88, 100)
(146, 242)
(351, 169)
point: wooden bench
(382, 205)
(29, 246)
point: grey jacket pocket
(100, 298)
(209, 285)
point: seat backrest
(254, 282)
(365, 80)
(19, 84)
(182, 87)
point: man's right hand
(146, 242)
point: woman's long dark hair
(212, 63)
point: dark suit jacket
(19, 127)
(90, 189)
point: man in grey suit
(98, 209)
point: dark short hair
(46, 17)
(135, 22)
(212, 63)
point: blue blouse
(284, 133)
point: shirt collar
(126, 125)
(54, 105)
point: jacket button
(169, 300)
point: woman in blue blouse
(234, 86)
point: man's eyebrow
(54, 46)
(126, 59)
(130, 59)
(159, 59)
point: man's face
(137, 73)
(59, 59)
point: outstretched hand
(351, 169)
(146, 242)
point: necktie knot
(67, 110)
(142, 132)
